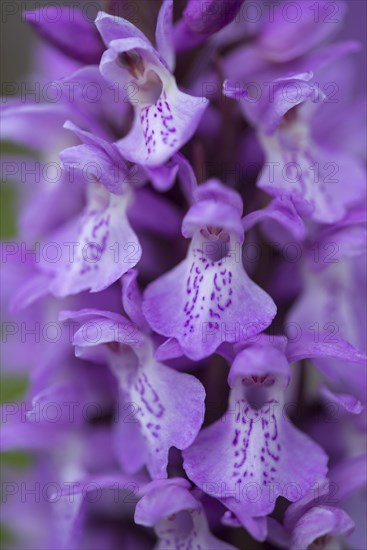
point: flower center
(147, 88)
(216, 244)
(214, 233)
(258, 380)
(133, 62)
(256, 390)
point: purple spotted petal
(166, 407)
(165, 118)
(201, 301)
(163, 127)
(254, 449)
(95, 249)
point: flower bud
(209, 16)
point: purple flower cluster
(186, 291)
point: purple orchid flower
(177, 516)
(93, 250)
(297, 164)
(65, 482)
(326, 323)
(208, 298)
(254, 454)
(165, 118)
(312, 523)
(319, 519)
(159, 416)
